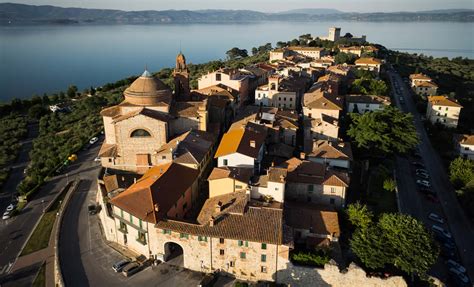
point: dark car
(92, 209)
(418, 164)
(131, 269)
(120, 265)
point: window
(141, 237)
(290, 105)
(184, 235)
(167, 231)
(242, 243)
(163, 157)
(279, 98)
(221, 240)
(131, 218)
(221, 252)
(310, 187)
(225, 162)
(202, 238)
(439, 108)
(284, 99)
(140, 133)
(331, 201)
(238, 187)
(218, 77)
(333, 190)
(263, 269)
(110, 160)
(264, 246)
(140, 223)
(446, 108)
(446, 115)
(242, 255)
(121, 213)
(123, 227)
(185, 205)
(263, 258)
(232, 264)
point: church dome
(147, 90)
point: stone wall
(331, 276)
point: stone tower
(181, 79)
(334, 34)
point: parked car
(459, 277)
(97, 159)
(432, 197)
(435, 217)
(92, 209)
(424, 183)
(93, 140)
(426, 190)
(441, 231)
(453, 264)
(11, 207)
(422, 175)
(418, 164)
(131, 269)
(6, 215)
(117, 267)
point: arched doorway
(174, 254)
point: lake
(46, 59)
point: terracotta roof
(335, 178)
(425, 84)
(145, 112)
(330, 150)
(187, 109)
(219, 90)
(160, 187)
(317, 219)
(239, 141)
(301, 48)
(108, 150)
(368, 61)
(237, 220)
(146, 85)
(110, 112)
(368, 99)
(277, 174)
(420, 77)
(303, 171)
(237, 173)
(323, 100)
(443, 101)
(465, 139)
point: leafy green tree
(294, 42)
(389, 184)
(461, 172)
(36, 111)
(236, 53)
(369, 246)
(388, 131)
(265, 48)
(281, 44)
(412, 247)
(254, 51)
(367, 86)
(71, 91)
(342, 58)
(359, 215)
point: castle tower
(334, 34)
(181, 79)
(274, 83)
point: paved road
(15, 231)
(411, 203)
(16, 172)
(85, 258)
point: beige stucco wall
(224, 186)
(320, 194)
(445, 115)
(317, 113)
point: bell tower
(181, 79)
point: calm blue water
(39, 59)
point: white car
(93, 140)
(10, 207)
(453, 264)
(97, 159)
(441, 231)
(459, 275)
(422, 182)
(6, 215)
(436, 217)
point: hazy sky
(261, 5)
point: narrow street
(412, 202)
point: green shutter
(241, 243)
(264, 246)
(246, 244)
(264, 258)
(140, 223)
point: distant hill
(310, 11)
(28, 14)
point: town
(312, 167)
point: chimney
(302, 155)
(252, 143)
(211, 222)
(218, 207)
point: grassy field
(40, 280)
(40, 237)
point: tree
(368, 86)
(295, 42)
(254, 51)
(36, 111)
(236, 53)
(461, 172)
(92, 91)
(389, 184)
(368, 245)
(359, 215)
(281, 44)
(412, 248)
(265, 48)
(71, 91)
(388, 131)
(342, 58)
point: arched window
(140, 133)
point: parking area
(87, 260)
